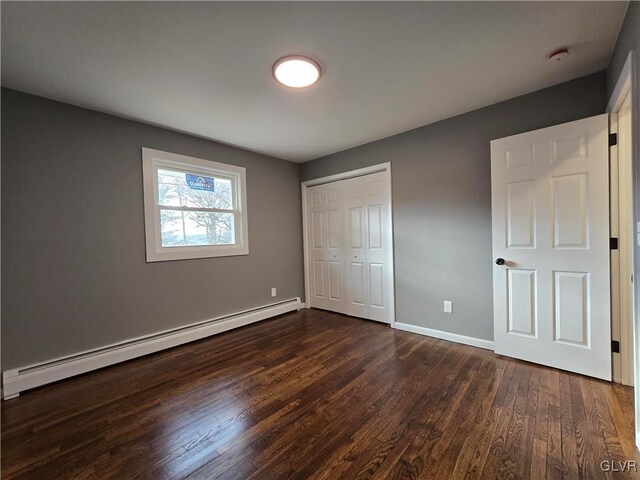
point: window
(193, 208)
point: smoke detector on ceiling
(559, 55)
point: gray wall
(442, 200)
(628, 39)
(73, 252)
(74, 274)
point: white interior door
(326, 252)
(550, 213)
(358, 258)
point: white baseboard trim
(452, 337)
(31, 376)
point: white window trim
(151, 160)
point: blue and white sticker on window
(198, 182)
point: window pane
(179, 189)
(196, 228)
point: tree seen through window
(191, 226)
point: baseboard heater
(31, 376)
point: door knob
(500, 261)
(355, 256)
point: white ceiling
(205, 67)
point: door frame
(379, 168)
(625, 85)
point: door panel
(569, 148)
(333, 224)
(318, 276)
(550, 214)
(517, 157)
(374, 213)
(357, 282)
(316, 229)
(376, 284)
(335, 283)
(571, 298)
(570, 208)
(522, 305)
(355, 227)
(521, 220)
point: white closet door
(350, 247)
(355, 214)
(379, 237)
(369, 254)
(325, 233)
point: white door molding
(622, 228)
(630, 361)
(623, 325)
(379, 168)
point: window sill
(190, 253)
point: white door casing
(365, 247)
(626, 236)
(550, 214)
(627, 152)
(621, 181)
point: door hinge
(613, 139)
(613, 243)
(615, 346)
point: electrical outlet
(273, 292)
(448, 306)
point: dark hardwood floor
(315, 395)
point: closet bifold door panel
(350, 247)
(356, 250)
(326, 258)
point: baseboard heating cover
(31, 376)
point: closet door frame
(382, 167)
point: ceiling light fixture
(296, 71)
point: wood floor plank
(555, 464)
(448, 450)
(572, 454)
(478, 446)
(496, 456)
(589, 439)
(316, 395)
(541, 428)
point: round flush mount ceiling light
(559, 54)
(296, 71)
